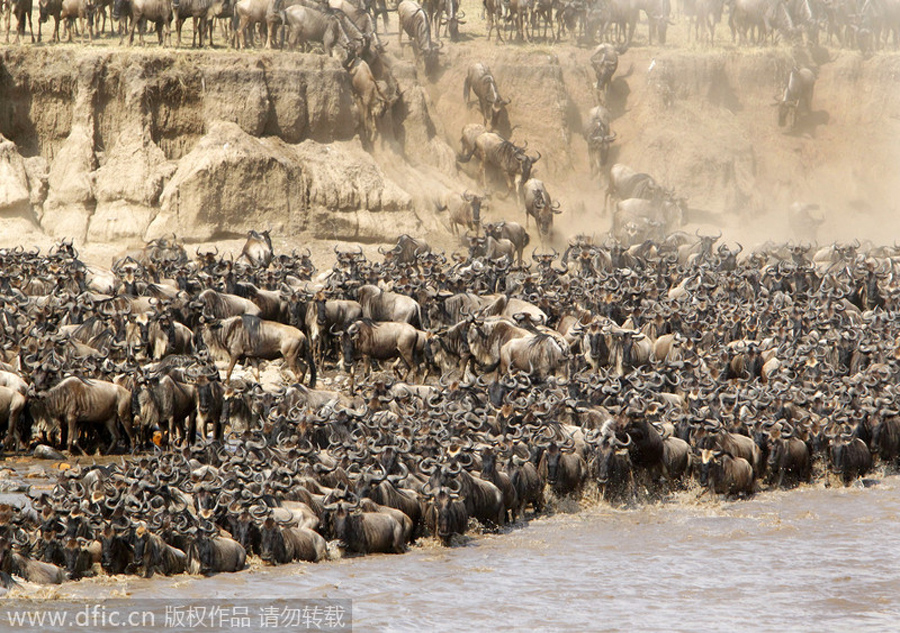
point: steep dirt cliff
(107, 144)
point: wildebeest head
(271, 544)
(431, 57)
(204, 547)
(117, 553)
(444, 509)
(44, 11)
(348, 344)
(526, 163)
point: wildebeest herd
(633, 370)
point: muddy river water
(813, 559)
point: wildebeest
(447, 16)
(562, 468)
(624, 16)
(323, 316)
(493, 10)
(372, 102)
(539, 206)
(210, 394)
(613, 470)
(249, 337)
(48, 9)
(35, 571)
(789, 461)
(381, 305)
(625, 183)
(155, 556)
(725, 474)
(282, 544)
(159, 12)
(22, 9)
(167, 404)
(365, 532)
(75, 400)
(202, 13)
(12, 404)
(510, 160)
(851, 458)
(540, 355)
(257, 250)
(491, 248)
(637, 220)
(307, 25)
(512, 231)
(415, 23)
(658, 18)
(446, 515)
(480, 80)
(528, 484)
(213, 553)
(490, 472)
(382, 491)
(407, 249)
(599, 137)
(464, 210)
(762, 16)
(117, 551)
(707, 14)
(796, 102)
(222, 306)
(382, 341)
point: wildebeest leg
(231, 365)
(71, 431)
(113, 429)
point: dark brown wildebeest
(445, 515)
(364, 532)
(22, 9)
(725, 474)
(280, 544)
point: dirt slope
(116, 145)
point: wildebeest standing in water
(76, 400)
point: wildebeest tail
(466, 90)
